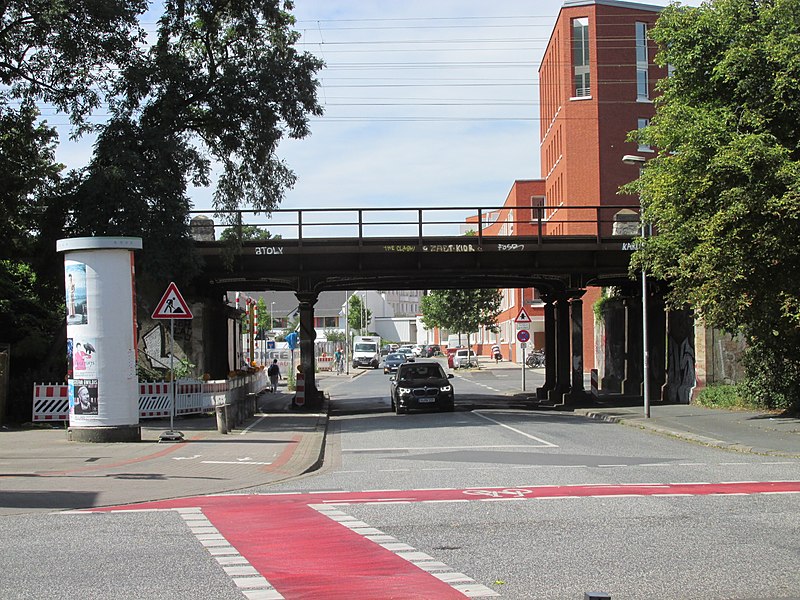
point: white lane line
(515, 430)
(458, 581)
(233, 462)
(421, 448)
(249, 427)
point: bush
(773, 377)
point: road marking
(422, 448)
(458, 581)
(249, 427)
(234, 462)
(527, 435)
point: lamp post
(632, 159)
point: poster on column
(75, 287)
(83, 397)
(81, 358)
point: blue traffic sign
(523, 335)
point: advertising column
(101, 338)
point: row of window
(582, 87)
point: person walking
(274, 373)
(337, 357)
(496, 353)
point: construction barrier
(50, 402)
(595, 384)
(324, 363)
(192, 396)
(300, 390)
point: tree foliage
(724, 191)
(357, 317)
(461, 311)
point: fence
(51, 401)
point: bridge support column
(549, 348)
(556, 395)
(313, 398)
(577, 391)
(632, 384)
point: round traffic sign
(523, 335)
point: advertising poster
(75, 286)
(83, 396)
(82, 358)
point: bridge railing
(423, 222)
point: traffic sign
(172, 305)
(522, 317)
(523, 335)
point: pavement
(41, 471)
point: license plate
(424, 400)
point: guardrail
(309, 223)
(192, 396)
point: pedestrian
(496, 353)
(337, 357)
(274, 373)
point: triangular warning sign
(172, 305)
(522, 317)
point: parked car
(406, 352)
(417, 350)
(421, 384)
(463, 358)
(392, 361)
(451, 352)
(431, 350)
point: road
(490, 500)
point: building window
(641, 125)
(580, 57)
(642, 76)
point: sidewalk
(41, 471)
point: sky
(427, 103)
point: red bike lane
(304, 547)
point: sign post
(172, 306)
(523, 323)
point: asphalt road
(632, 546)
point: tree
(247, 233)
(723, 194)
(461, 311)
(222, 82)
(66, 55)
(357, 317)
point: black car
(392, 361)
(421, 384)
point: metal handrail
(532, 221)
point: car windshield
(421, 371)
(365, 348)
(395, 356)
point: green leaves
(723, 193)
(460, 311)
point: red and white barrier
(300, 390)
(50, 402)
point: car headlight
(403, 390)
(446, 388)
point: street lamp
(632, 159)
(271, 322)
